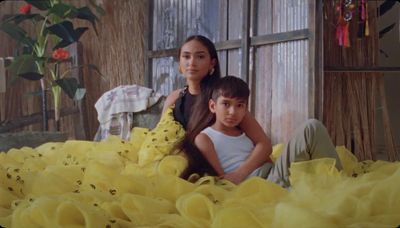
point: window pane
(166, 76)
(235, 19)
(235, 62)
(175, 20)
(274, 16)
(281, 87)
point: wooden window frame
(313, 34)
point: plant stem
(56, 89)
(45, 118)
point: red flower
(60, 54)
(25, 9)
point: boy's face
(228, 111)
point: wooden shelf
(361, 69)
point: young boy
(223, 144)
(226, 147)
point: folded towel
(125, 98)
(115, 109)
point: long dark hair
(201, 117)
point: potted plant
(41, 54)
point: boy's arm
(261, 151)
(206, 147)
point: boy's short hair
(232, 87)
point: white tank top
(231, 150)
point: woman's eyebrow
(197, 52)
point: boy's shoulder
(203, 142)
(202, 137)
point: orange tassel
(346, 35)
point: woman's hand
(171, 99)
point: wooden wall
(16, 102)
(118, 52)
(281, 73)
(350, 98)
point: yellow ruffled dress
(135, 183)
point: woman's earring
(211, 71)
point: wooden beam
(252, 71)
(319, 60)
(237, 43)
(301, 34)
(361, 69)
(229, 44)
(223, 45)
(148, 37)
(35, 118)
(245, 43)
(163, 53)
(315, 58)
(81, 127)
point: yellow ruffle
(162, 140)
(103, 184)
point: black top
(183, 107)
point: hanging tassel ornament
(339, 25)
(363, 28)
(346, 36)
(366, 19)
(361, 19)
(344, 10)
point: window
(268, 43)
(173, 21)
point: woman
(199, 64)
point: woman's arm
(206, 147)
(260, 153)
(171, 99)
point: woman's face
(195, 61)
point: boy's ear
(211, 105)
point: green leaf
(33, 76)
(61, 10)
(22, 17)
(85, 13)
(71, 87)
(16, 33)
(95, 68)
(26, 67)
(40, 4)
(65, 30)
(98, 9)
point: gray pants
(310, 141)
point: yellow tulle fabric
(103, 184)
(162, 140)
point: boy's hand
(235, 177)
